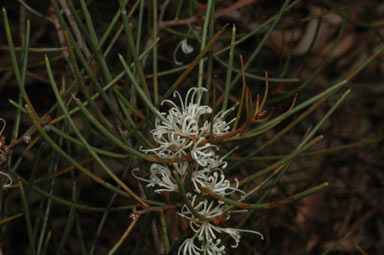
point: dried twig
(75, 29)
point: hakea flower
(203, 154)
(182, 132)
(181, 167)
(186, 120)
(160, 176)
(185, 48)
(189, 247)
(200, 177)
(214, 248)
(7, 185)
(220, 126)
(204, 207)
(235, 234)
(171, 144)
(218, 162)
(218, 184)
(206, 232)
(215, 181)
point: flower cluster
(185, 133)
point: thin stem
(83, 140)
(32, 248)
(229, 69)
(268, 205)
(186, 200)
(209, 11)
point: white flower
(214, 180)
(220, 126)
(9, 179)
(211, 180)
(217, 162)
(189, 248)
(185, 48)
(181, 131)
(207, 232)
(186, 120)
(200, 177)
(181, 167)
(204, 207)
(213, 248)
(203, 154)
(160, 176)
(171, 144)
(218, 184)
(235, 234)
